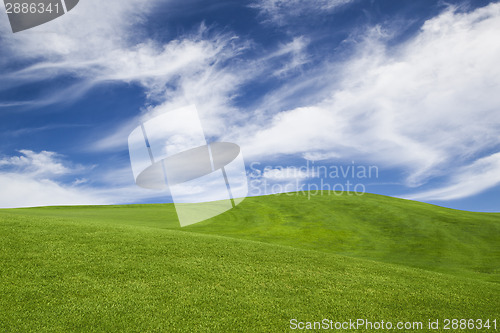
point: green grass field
(251, 269)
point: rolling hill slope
(371, 226)
(63, 274)
(252, 269)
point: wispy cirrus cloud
(428, 106)
(297, 53)
(118, 49)
(42, 164)
(280, 11)
(47, 178)
(31, 130)
(195, 67)
(34, 179)
(468, 180)
(20, 190)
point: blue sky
(408, 87)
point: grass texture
(251, 269)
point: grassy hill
(272, 259)
(372, 227)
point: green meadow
(252, 269)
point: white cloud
(320, 156)
(47, 179)
(279, 11)
(211, 84)
(428, 106)
(297, 53)
(469, 180)
(35, 164)
(194, 69)
(72, 38)
(98, 42)
(113, 47)
(19, 190)
(31, 179)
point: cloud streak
(280, 11)
(427, 107)
(35, 164)
(116, 49)
(33, 179)
(46, 179)
(469, 180)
